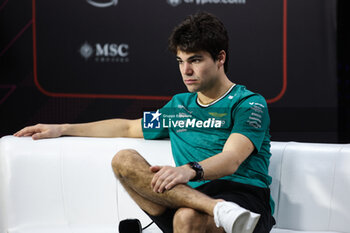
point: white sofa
(66, 185)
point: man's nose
(187, 69)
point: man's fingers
(27, 134)
(159, 178)
(165, 180)
(27, 131)
(166, 177)
(157, 182)
(168, 183)
(155, 168)
(40, 131)
(171, 185)
(160, 187)
(38, 136)
(22, 132)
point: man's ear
(221, 58)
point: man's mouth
(190, 81)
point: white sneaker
(234, 219)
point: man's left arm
(236, 149)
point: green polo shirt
(198, 132)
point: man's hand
(40, 131)
(166, 177)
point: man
(219, 133)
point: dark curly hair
(200, 32)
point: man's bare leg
(133, 172)
(150, 207)
(192, 221)
(185, 220)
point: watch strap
(198, 169)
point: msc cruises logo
(107, 52)
(102, 4)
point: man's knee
(187, 219)
(123, 160)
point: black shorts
(250, 197)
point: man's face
(199, 71)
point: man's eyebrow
(196, 56)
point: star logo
(151, 120)
(156, 115)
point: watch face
(198, 169)
(196, 165)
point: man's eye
(179, 61)
(195, 61)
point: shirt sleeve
(152, 123)
(251, 118)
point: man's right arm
(105, 128)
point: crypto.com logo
(102, 4)
(175, 3)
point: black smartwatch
(198, 169)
